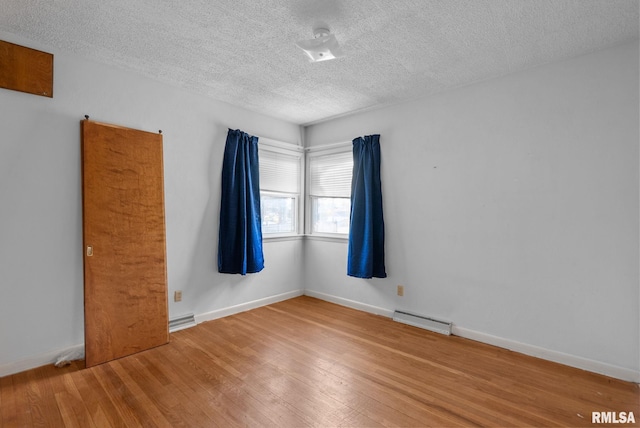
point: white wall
(511, 206)
(511, 209)
(41, 305)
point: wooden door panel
(26, 70)
(124, 237)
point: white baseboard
(53, 356)
(231, 310)
(523, 348)
(38, 361)
(534, 351)
(350, 303)
(549, 355)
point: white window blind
(279, 172)
(280, 188)
(330, 175)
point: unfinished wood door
(125, 281)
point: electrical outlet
(177, 296)
(400, 290)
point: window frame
(295, 216)
(315, 152)
(274, 146)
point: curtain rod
(328, 146)
(277, 143)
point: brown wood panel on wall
(125, 282)
(26, 70)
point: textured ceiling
(243, 51)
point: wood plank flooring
(305, 362)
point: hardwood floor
(305, 362)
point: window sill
(315, 237)
(328, 238)
(279, 238)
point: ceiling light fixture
(324, 46)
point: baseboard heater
(179, 323)
(420, 321)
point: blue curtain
(240, 235)
(366, 232)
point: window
(280, 184)
(330, 215)
(278, 213)
(330, 191)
